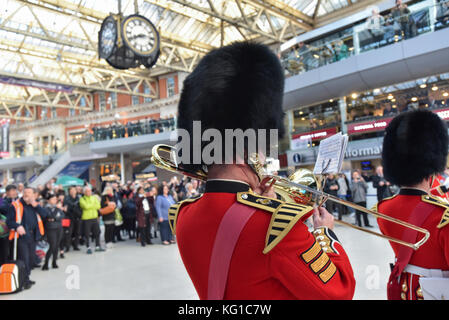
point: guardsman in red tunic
(415, 149)
(238, 241)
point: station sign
(368, 126)
(315, 135)
(443, 113)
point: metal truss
(253, 14)
(35, 49)
(25, 108)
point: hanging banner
(36, 84)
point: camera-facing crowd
(356, 191)
(61, 219)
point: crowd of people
(356, 191)
(132, 128)
(379, 30)
(62, 219)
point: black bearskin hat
(239, 86)
(415, 147)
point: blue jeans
(166, 234)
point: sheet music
(331, 154)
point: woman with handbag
(107, 211)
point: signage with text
(368, 126)
(315, 135)
(444, 114)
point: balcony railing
(132, 129)
(378, 31)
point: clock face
(140, 35)
(108, 37)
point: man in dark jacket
(382, 185)
(331, 187)
(72, 201)
(11, 196)
(29, 229)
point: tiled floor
(156, 272)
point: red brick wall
(162, 88)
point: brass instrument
(301, 187)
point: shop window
(83, 104)
(135, 100)
(146, 90)
(113, 100)
(102, 101)
(44, 112)
(19, 148)
(170, 87)
(316, 117)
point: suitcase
(12, 274)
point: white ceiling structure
(55, 42)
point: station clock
(128, 42)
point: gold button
(403, 296)
(419, 293)
(404, 287)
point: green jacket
(89, 206)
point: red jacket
(295, 268)
(434, 254)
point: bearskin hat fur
(415, 147)
(239, 86)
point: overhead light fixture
(354, 96)
(316, 56)
(434, 88)
(390, 96)
(394, 106)
(414, 99)
(393, 100)
(301, 112)
(423, 85)
(331, 100)
(376, 91)
(445, 94)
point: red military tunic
(434, 254)
(295, 268)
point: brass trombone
(301, 187)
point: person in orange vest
(24, 219)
